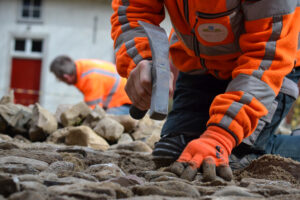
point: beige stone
(85, 136)
(94, 117)
(43, 123)
(75, 115)
(145, 128)
(125, 138)
(127, 122)
(109, 129)
(59, 135)
(61, 109)
(153, 138)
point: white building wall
(68, 27)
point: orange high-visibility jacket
(254, 42)
(100, 84)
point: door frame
(27, 34)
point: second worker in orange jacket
(98, 81)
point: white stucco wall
(67, 28)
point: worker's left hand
(210, 151)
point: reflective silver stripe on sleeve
(232, 111)
(133, 52)
(271, 44)
(98, 71)
(112, 91)
(94, 102)
(129, 35)
(289, 87)
(254, 86)
(235, 107)
(254, 10)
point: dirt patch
(272, 167)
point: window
(31, 10)
(27, 47)
(20, 45)
(37, 46)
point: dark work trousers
(190, 113)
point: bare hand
(139, 85)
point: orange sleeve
(269, 47)
(130, 42)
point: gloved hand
(210, 151)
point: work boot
(168, 149)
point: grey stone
(9, 98)
(105, 171)
(91, 191)
(5, 137)
(30, 178)
(75, 115)
(36, 164)
(7, 145)
(59, 166)
(18, 168)
(128, 180)
(166, 188)
(138, 146)
(15, 117)
(41, 155)
(109, 129)
(26, 195)
(32, 185)
(151, 175)
(43, 124)
(85, 176)
(235, 191)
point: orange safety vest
(100, 84)
(254, 42)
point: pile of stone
(84, 154)
(77, 125)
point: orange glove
(210, 151)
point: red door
(25, 80)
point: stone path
(59, 172)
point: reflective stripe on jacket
(254, 42)
(100, 84)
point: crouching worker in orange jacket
(239, 64)
(97, 80)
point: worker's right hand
(139, 85)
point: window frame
(28, 47)
(31, 8)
